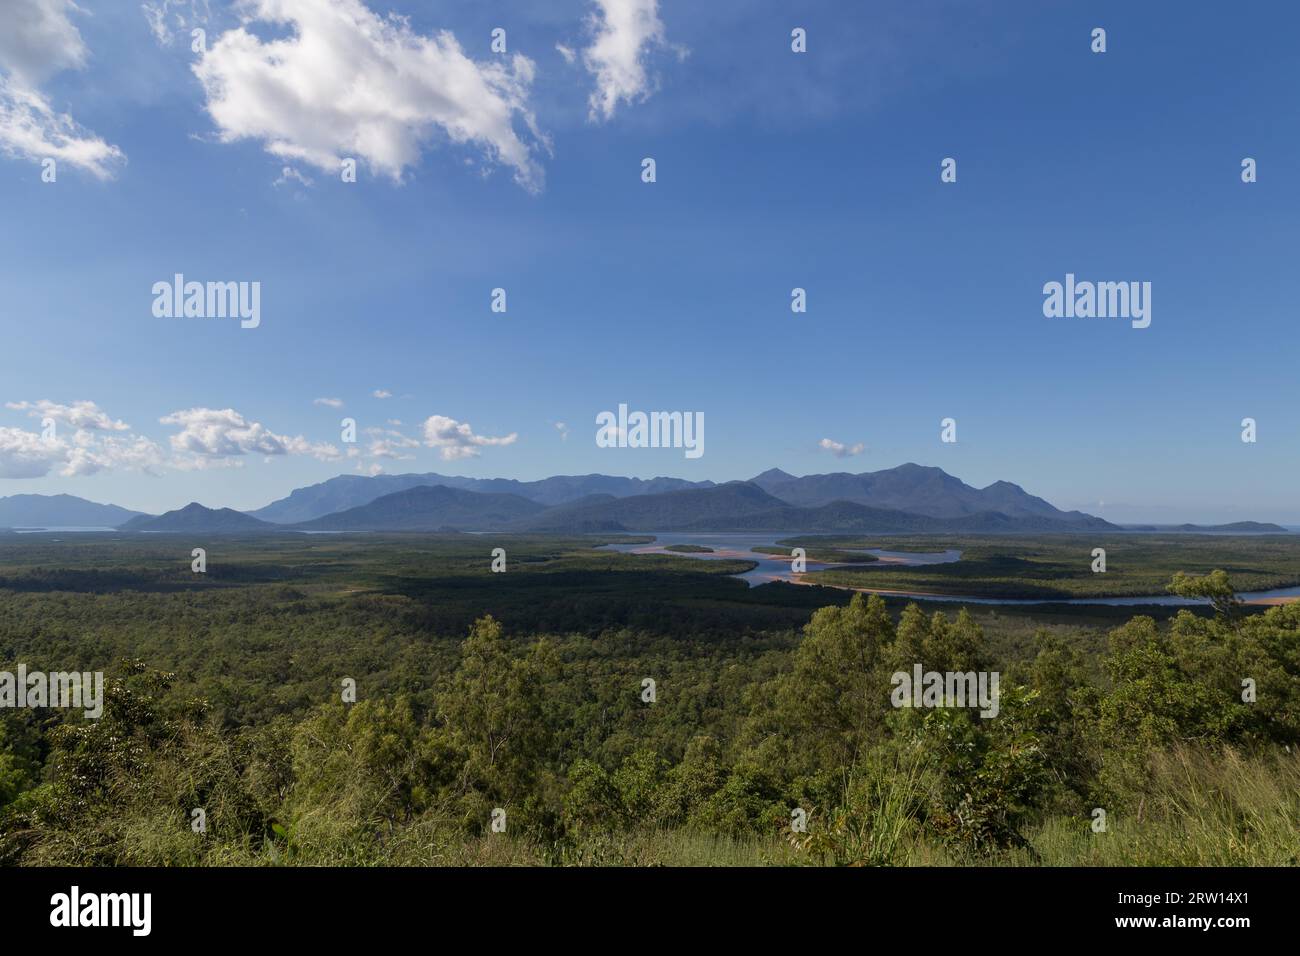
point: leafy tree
(834, 701)
(1214, 587)
(493, 709)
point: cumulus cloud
(38, 41)
(84, 439)
(328, 402)
(210, 435)
(25, 454)
(563, 429)
(132, 452)
(81, 414)
(839, 449)
(87, 440)
(346, 82)
(381, 393)
(623, 32)
(456, 440)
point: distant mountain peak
(197, 518)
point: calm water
(771, 568)
(70, 528)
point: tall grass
(1203, 808)
(1206, 809)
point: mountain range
(907, 499)
(351, 491)
(66, 511)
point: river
(738, 547)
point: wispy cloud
(289, 175)
(389, 443)
(83, 414)
(166, 18)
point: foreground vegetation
(226, 697)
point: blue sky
(775, 170)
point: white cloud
(840, 450)
(456, 439)
(85, 440)
(38, 41)
(563, 429)
(25, 454)
(209, 434)
(622, 31)
(328, 402)
(381, 393)
(134, 452)
(78, 414)
(93, 441)
(570, 56)
(348, 83)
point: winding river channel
(769, 568)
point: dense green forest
(590, 707)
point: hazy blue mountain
(916, 489)
(721, 505)
(52, 511)
(196, 518)
(351, 491)
(744, 506)
(1247, 527)
(429, 508)
(1237, 527)
(892, 499)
